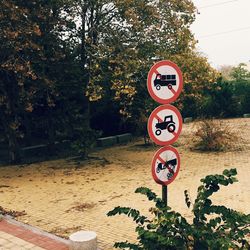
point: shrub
(214, 227)
(84, 141)
(213, 135)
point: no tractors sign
(164, 125)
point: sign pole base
(165, 194)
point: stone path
(64, 196)
(17, 236)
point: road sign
(165, 165)
(164, 125)
(164, 82)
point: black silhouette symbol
(164, 80)
(170, 165)
(168, 124)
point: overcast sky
(223, 30)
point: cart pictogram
(165, 165)
(170, 165)
(164, 125)
(165, 82)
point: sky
(223, 31)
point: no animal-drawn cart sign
(165, 165)
(164, 125)
(165, 82)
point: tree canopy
(70, 66)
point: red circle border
(154, 161)
(149, 86)
(150, 122)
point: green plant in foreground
(214, 227)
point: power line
(225, 32)
(217, 4)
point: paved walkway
(17, 236)
(62, 196)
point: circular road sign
(164, 82)
(165, 165)
(164, 125)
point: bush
(84, 141)
(214, 227)
(213, 135)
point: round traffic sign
(165, 165)
(164, 82)
(164, 125)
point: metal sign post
(165, 194)
(164, 85)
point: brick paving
(15, 236)
(63, 196)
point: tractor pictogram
(164, 80)
(168, 124)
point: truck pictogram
(164, 80)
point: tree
(64, 60)
(240, 86)
(198, 76)
(240, 73)
(53, 65)
(118, 40)
(17, 35)
(30, 51)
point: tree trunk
(9, 119)
(14, 149)
(85, 64)
(28, 136)
(51, 134)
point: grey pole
(165, 194)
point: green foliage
(84, 140)
(227, 95)
(27, 65)
(70, 66)
(58, 58)
(240, 73)
(242, 93)
(214, 227)
(219, 100)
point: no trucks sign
(164, 82)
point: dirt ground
(64, 196)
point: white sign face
(164, 125)
(164, 82)
(165, 165)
